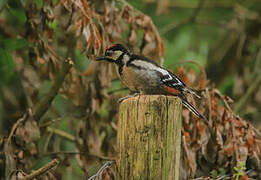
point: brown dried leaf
(97, 41)
(201, 82)
(133, 37)
(189, 158)
(50, 34)
(87, 14)
(17, 175)
(181, 73)
(67, 4)
(28, 131)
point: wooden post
(149, 136)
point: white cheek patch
(116, 54)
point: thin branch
(62, 134)
(228, 175)
(207, 22)
(200, 66)
(105, 166)
(192, 5)
(62, 152)
(218, 93)
(48, 123)
(42, 170)
(42, 106)
(154, 28)
(243, 100)
(99, 157)
(19, 121)
(181, 23)
(48, 139)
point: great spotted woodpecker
(144, 76)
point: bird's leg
(129, 96)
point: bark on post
(149, 136)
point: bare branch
(106, 165)
(42, 106)
(42, 170)
(191, 19)
(242, 101)
(22, 119)
(62, 134)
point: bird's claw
(126, 97)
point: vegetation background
(56, 103)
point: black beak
(101, 58)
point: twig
(207, 22)
(103, 158)
(42, 106)
(154, 29)
(189, 61)
(42, 170)
(200, 66)
(48, 123)
(106, 165)
(16, 125)
(242, 101)
(208, 96)
(191, 5)
(62, 152)
(48, 139)
(218, 93)
(228, 175)
(223, 176)
(191, 19)
(62, 133)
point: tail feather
(196, 112)
(191, 92)
(193, 109)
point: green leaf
(81, 63)
(41, 162)
(60, 104)
(140, 36)
(222, 171)
(52, 24)
(214, 173)
(17, 15)
(39, 3)
(2, 4)
(7, 65)
(13, 44)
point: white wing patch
(167, 77)
(147, 65)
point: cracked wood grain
(149, 136)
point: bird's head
(113, 53)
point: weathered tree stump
(149, 135)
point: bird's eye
(108, 53)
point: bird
(144, 76)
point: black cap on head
(112, 54)
(117, 47)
